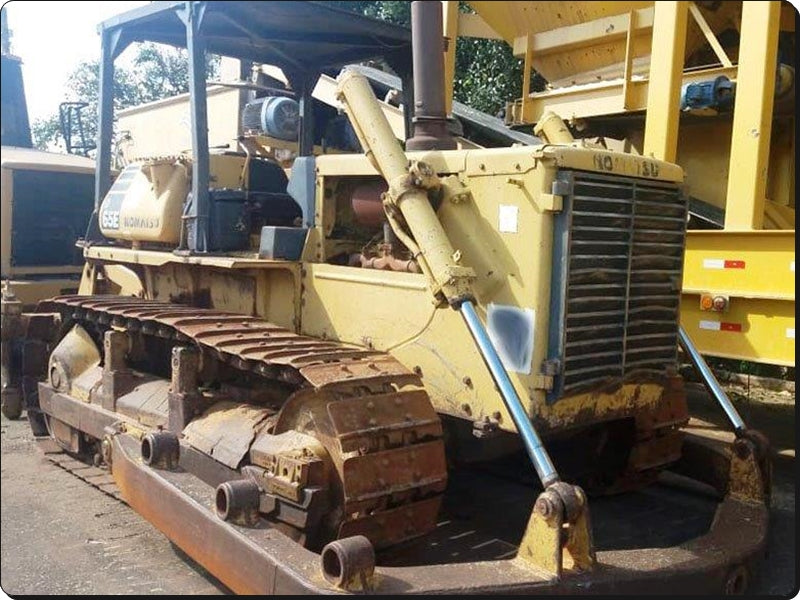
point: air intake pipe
(430, 115)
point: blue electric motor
(713, 95)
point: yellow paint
(762, 294)
(29, 292)
(162, 127)
(598, 98)
(599, 64)
(393, 311)
(767, 330)
(541, 544)
(666, 66)
(585, 41)
(450, 22)
(712, 40)
(768, 258)
(752, 121)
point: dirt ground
(59, 535)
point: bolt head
(741, 448)
(545, 507)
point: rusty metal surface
(265, 561)
(233, 336)
(226, 431)
(369, 412)
(390, 473)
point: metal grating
(616, 284)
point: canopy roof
(295, 36)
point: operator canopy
(295, 36)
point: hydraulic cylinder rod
(435, 248)
(386, 153)
(533, 443)
(711, 382)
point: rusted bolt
(467, 382)
(370, 404)
(497, 416)
(545, 507)
(105, 449)
(466, 408)
(418, 371)
(373, 422)
(482, 167)
(742, 448)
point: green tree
(156, 72)
(487, 74)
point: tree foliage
(155, 72)
(487, 74)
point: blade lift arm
(558, 534)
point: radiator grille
(616, 284)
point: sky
(52, 38)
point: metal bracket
(750, 475)
(559, 534)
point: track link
(384, 436)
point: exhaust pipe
(430, 115)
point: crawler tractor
(416, 369)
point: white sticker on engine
(791, 266)
(790, 333)
(508, 218)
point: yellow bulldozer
(45, 201)
(411, 368)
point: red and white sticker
(720, 263)
(720, 326)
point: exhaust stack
(430, 116)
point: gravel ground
(59, 535)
